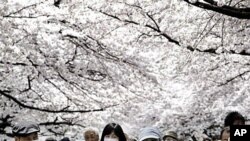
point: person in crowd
(26, 131)
(234, 118)
(65, 139)
(50, 139)
(150, 134)
(91, 135)
(170, 136)
(113, 132)
(225, 134)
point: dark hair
(116, 128)
(233, 116)
(22, 135)
(50, 139)
(65, 139)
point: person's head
(225, 134)
(50, 139)
(65, 139)
(150, 134)
(234, 118)
(25, 131)
(91, 135)
(113, 132)
(170, 136)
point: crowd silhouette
(28, 131)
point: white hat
(149, 132)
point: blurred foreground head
(26, 131)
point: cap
(149, 132)
(25, 128)
(170, 134)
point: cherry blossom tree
(175, 64)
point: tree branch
(57, 3)
(151, 17)
(52, 123)
(211, 2)
(27, 17)
(4, 93)
(23, 8)
(13, 63)
(29, 85)
(5, 122)
(136, 23)
(213, 51)
(233, 78)
(240, 13)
